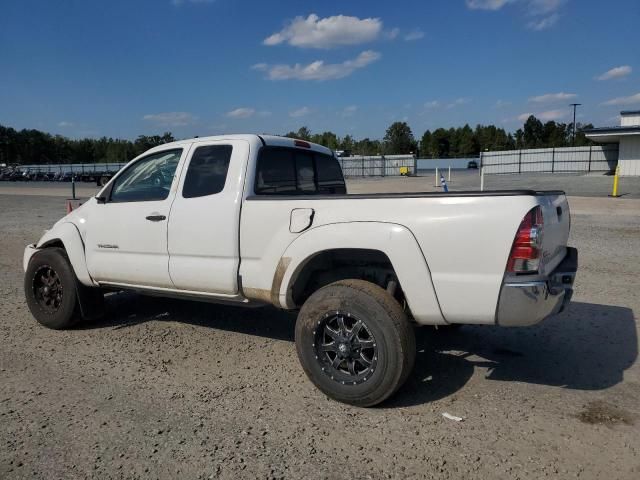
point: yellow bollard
(615, 183)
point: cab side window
(288, 171)
(330, 178)
(276, 172)
(149, 179)
(207, 172)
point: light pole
(574, 105)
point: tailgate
(557, 221)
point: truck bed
(464, 238)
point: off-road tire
(67, 312)
(385, 322)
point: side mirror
(101, 199)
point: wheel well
(339, 264)
(54, 243)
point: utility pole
(574, 105)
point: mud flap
(91, 301)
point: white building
(627, 136)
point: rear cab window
(292, 171)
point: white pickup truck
(255, 220)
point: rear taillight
(526, 249)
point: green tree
(347, 143)
(440, 143)
(425, 144)
(304, 134)
(328, 139)
(467, 142)
(367, 147)
(399, 139)
(533, 133)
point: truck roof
(267, 140)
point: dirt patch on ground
(603, 413)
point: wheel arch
(67, 237)
(390, 248)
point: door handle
(156, 218)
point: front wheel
(51, 290)
(354, 342)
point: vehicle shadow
(126, 309)
(587, 347)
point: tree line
(454, 142)
(33, 146)
(24, 147)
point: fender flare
(68, 234)
(394, 240)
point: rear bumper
(529, 302)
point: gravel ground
(176, 389)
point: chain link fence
(597, 158)
(378, 166)
(79, 168)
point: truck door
(204, 223)
(127, 232)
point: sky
(121, 68)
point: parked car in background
(19, 176)
(472, 164)
(67, 177)
(256, 220)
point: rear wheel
(354, 342)
(51, 289)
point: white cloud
(318, 70)
(300, 112)
(330, 32)
(543, 23)
(553, 97)
(545, 116)
(544, 11)
(487, 4)
(242, 112)
(502, 104)
(617, 72)
(552, 115)
(432, 104)
(414, 35)
(542, 7)
(630, 100)
(349, 111)
(171, 119)
(458, 101)
(64, 124)
(392, 34)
